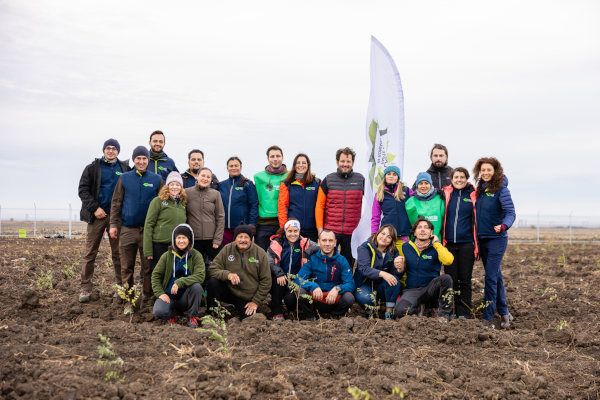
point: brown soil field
(44, 227)
(49, 341)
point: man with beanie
(240, 274)
(96, 188)
(159, 162)
(439, 169)
(427, 202)
(131, 199)
(267, 187)
(196, 163)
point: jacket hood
(284, 171)
(190, 247)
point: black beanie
(112, 142)
(184, 230)
(140, 151)
(242, 228)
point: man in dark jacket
(439, 169)
(131, 200)
(96, 188)
(159, 162)
(196, 163)
(339, 202)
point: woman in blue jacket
(494, 215)
(376, 277)
(239, 199)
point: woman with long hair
(389, 204)
(376, 277)
(426, 202)
(240, 200)
(459, 238)
(298, 197)
(165, 213)
(494, 215)
(287, 252)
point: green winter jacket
(267, 188)
(162, 218)
(432, 209)
(164, 270)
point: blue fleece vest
(110, 177)
(139, 192)
(459, 219)
(422, 268)
(394, 212)
(303, 201)
(489, 213)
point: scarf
(175, 197)
(426, 194)
(156, 156)
(300, 176)
(420, 246)
(275, 172)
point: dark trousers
(312, 235)
(95, 230)
(205, 247)
(339, 309)
(411, 299)
(158, 249)
(227, 236)
(132, 242)
(281, 293)
(492, 252)
(263, 235)
(218, 291)
(344, 241)
(461, 271)
(190, 302)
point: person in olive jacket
(177, 279)
(240, 275)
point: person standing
(339, 202)
(131, 199)
(267, 184)
(96, 188)
(159, 162)
(427, 202)
(439, 171)
(298, 197)
(196, 163)
(240, 201)
(494, 215)
(459, 238)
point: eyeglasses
(110, 148)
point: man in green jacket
(177, 279)
(267, 184)
(240, 274)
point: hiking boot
(177, 318)
(193, 322)
(278, 317)
(389, 316)
(505, 321)
(128, 308)
(487, 324)
(84, 297)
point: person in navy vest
(159, 162)
(131, 199)
(494, 215)
(424, 284)
(196, 163)
(327, 278)
(96, 188)
(459, 238)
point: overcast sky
(516, 80)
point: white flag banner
(384, 132)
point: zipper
(456, 218)
(440, 179)
(241, 273)
(344, 212)
(139, 200)
(303, 205)
(229, 206)
(291, 257)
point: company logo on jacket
(161, 168)
(432, 218)
(231, 258)
(118, 173)
(239, 188)
(490, 194)
(252, 259)
(148, 184)
(467, 200)
(425, 257)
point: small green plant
(69, 270)
(129, 295)
(550, 246)
(105, 350)
(44, 280)
(517, 249)
(561, 325)
(553, 297)
(217, 323)
(562, 260)
(103, 287)
(108, 263)
(294, 287)
(545, 291)
(536, 266)
(356, 393)
(449, 295)
(374, 310)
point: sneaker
(177, 318)
(128, 309)
(193, 322)
(389, 316)
(505, 321)
(278, 317)
(84, 297)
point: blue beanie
(140, 151)
(424, 176)
(112, 142)
(392, 168)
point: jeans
(461, 271)
(385, 292)
(492, 252)
(190, 302)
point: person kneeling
(327, 278)
(239, 274)
(177, 279)
(424, 258)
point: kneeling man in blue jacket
(326, 277)
(424, 258)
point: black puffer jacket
(439, 176)
(89, 188)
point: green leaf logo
(251, 259)
(145, 184)
(297, 250)
(118, 173)
(161, 168)
(185, 266)
(238, 188)
(424, 257)
(466, 200)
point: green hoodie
(164, 270)
(162, 218)
(267, 188)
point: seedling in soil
(44, 280)
(517, 249)
(69, 270)
(481, 306)
(103, 287)
(550, 246)
(535, 267)
(562, 260)
(105, 351)
(294, 287)
(545, 291)
(563, 324)
(356, 393)
(129, 295)
(374, 310)
(217, 323)
(449, 295)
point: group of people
(288, 233)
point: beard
(195, 171)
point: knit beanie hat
(392, 168)
(183, 229)
(424, 176)
(242, 228)
(140, 151)
(112, 142)
(174, 177)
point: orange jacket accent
(282, 204)
(320, 208)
